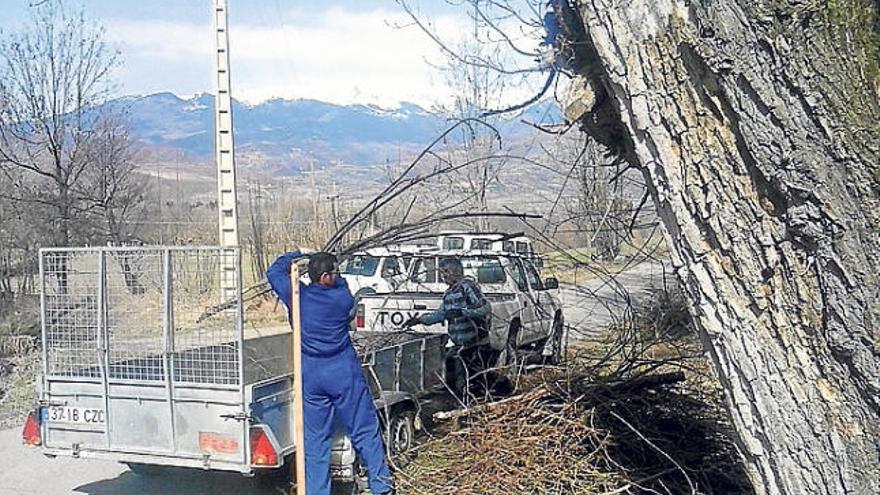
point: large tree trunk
(758, 134)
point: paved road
(25, 471)
(592, 306)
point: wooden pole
(296, 364)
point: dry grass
(17, 394)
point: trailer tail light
(359, 320)
(263, 452)
(30, 435)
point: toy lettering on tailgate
(396, 317)
(215, 442)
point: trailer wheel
(273, 479)
(401, 432)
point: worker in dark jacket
(467, 312)
(334, 387)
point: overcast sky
(341, 51)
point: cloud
(331, 55)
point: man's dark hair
(319, 264)
(451, 264)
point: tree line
(67, 160)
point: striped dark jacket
(466, 310)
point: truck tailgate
(387, 312)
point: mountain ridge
(282, 132)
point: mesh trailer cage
(148, 314)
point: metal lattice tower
(227, 196)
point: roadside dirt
(17, 377)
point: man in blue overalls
(334, 387)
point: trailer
(145, 364)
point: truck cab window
(425, 271)
(532, 274)
(390, 268)
(485, 270)
(406, 260)
(516, 273)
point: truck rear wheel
(509, 356)
(553, 354)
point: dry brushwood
(540, 392)
(571, 435)
(530, 445)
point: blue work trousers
(334, 388)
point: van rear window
(478, 243)
(453, 243)
(359, 265)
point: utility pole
(315, 219)
(335, 214)
(227, 196)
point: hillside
(288, 133)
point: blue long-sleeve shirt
(324, 311)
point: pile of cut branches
(533, 444)
(653, 434)
(638, 413)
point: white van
(379, 269)
(453, 240)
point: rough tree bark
(756, 127)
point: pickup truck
(526, 311)
(140, 367)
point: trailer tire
(401, 432)
(273, 479)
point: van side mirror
(551, 283)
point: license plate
(79, 415)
